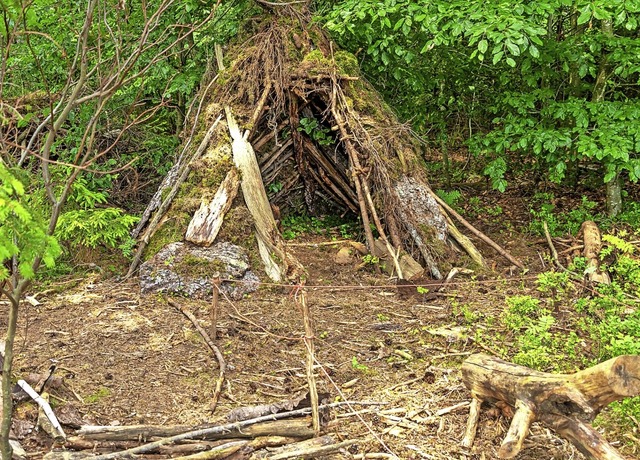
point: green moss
(316, 56)
(171, 231)
(237, 227)
(315, 63)
(191, 265)
(347, 63)
(99, 394)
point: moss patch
(194, 266)
(347, 63)
(170, 231)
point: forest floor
(127, 358)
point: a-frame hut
(288, 112)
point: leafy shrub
(91, 228)
(559, 223)
(23, 233)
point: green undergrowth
(336, 226)
(566, 324)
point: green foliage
(95, 227)
(520, 311)
(295, 225)
(370, 259)
(317, 132)
(548, 86)
(596, 325)
(358, 366)
(450, 197)
(559, 223)
(23, 232)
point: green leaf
(513, 48)
(585, 15)
(533, 50)
(483, 45)
(511, 62)
(497, 56)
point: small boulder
(344, 256)
(186, 269)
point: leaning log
(278, 263)
(562, 402)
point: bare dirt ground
(130, 359)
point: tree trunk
(613, 186)
(614, 196)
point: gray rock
(186, 269)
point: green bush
(91, 228)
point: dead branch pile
(286, 434)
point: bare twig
(308, 341)
(216, 351)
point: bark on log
(312, 448)
(218, 452)
(207, 220)
(564, 402)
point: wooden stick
(56, 430)
(355, 172)
(217, 452)
(196, 434)
(308, 341)
(258, 110)
(478, 233)
(292, 428)
(472, 423)
(313, 451)
(552, 248)
(215, 282)
(216, 351)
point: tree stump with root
(565, 403)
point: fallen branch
(562, 402)
(552, 248)
(217, 452)
(310, 353)
(294, 428)
(312, 448)
(56, 430)
(478, 233)
(203, 433)
(216, 351)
